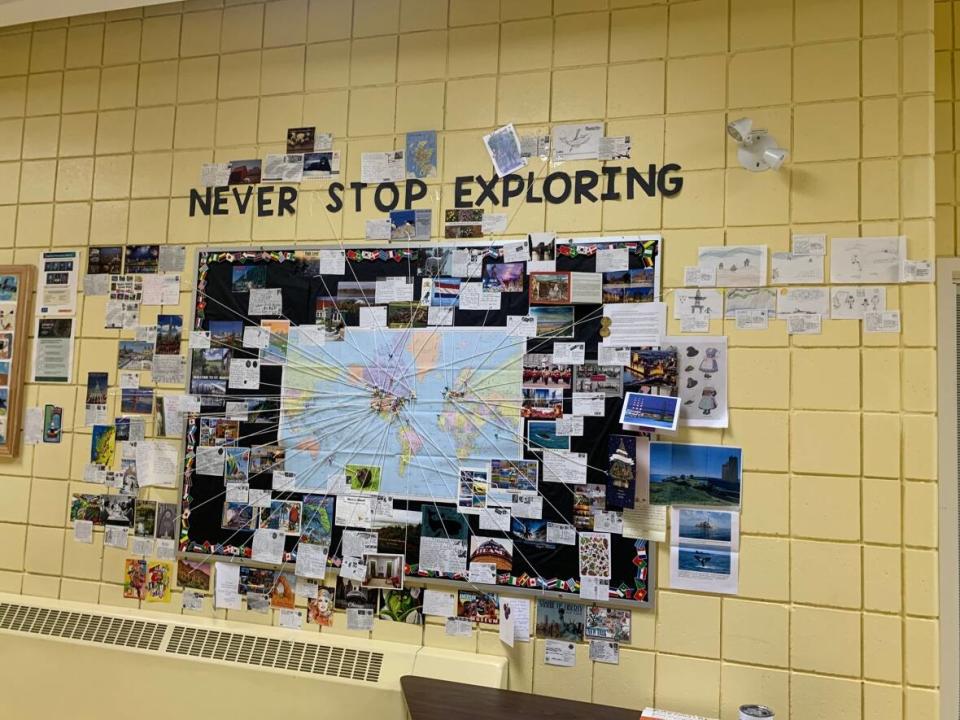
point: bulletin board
(16, 292)
(278, 418)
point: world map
(415, 403)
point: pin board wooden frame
(10, 444)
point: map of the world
(397, 412)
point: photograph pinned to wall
(169, 334)
(542, 248)
(278, 337)
(539, 371)
(226, 334)
(636, 285)
(283, 593)
(406, 315)
(554, 322)
(504, 277)
(404, 605)
(301, 140)
(558, 620)
(105, 260)
(697, 303)
(248, 277)
(282, 515)
(193, 575)
(236, 464)
(237, 516)
(803, 301)
(790, 269)
(651, 371)
(549, 288)
(363, 478)
(702, 381)
(145, 518)
(576, 142)
(316, 526)
(735, 265)
(495, 551)
(478, 607)
(503, 146)
(683, 474)
(604, 623)
(383, 570)
(166, 521)
(351, 595)
(748, 300)
(421, 154)
(650, 412)
(411, 224)
(136, 401)
(867, 259)
(541, 403)
(704, 550)
(472, 489)
(593, 378)
(530, 530)
(594, 550)
(242, 172)
(321, 165)
(542, 435)
(853, 303)
(209, 371)
(464, 224)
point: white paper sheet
(867, 259)
(226, 586)
(634, 324)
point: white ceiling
(16, 12)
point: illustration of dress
(709, 363)
(708, 400)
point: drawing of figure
(708, 400)
(709, 365)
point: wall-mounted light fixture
(757, 150)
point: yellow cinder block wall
(105, 120)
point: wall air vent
(86, 627)
(192, 642)
(302, 657)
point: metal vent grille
(101, 629)
(280, 654)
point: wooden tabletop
(429, 699)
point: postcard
(625, 470)
(607, 624)
(558, 620)
(316, 525)
(135, 579)
(142, 259)
(478, 607)
(192, 574)
(554, 322)
(682, 474)
(654, 372)
(542, 435)
(383, 570)
(105, 260)
(145, 518)
(657, 412)
(592, 378)
(103, 445)
(237, 516)
(283, 593)
(282, 515)
(382, 167)
(697, 303)
(504, 277)
(463, 223)
(495, 551)
(242, 172)
(542, 403)
(410, 224)
(549, 288)
(301, 140)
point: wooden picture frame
(13, 351)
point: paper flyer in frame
(16, 287)
(702, 364)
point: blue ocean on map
(416, 402)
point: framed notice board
(411, 395)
